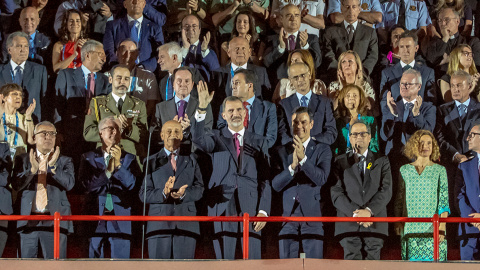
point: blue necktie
(406, 114)
(169, 89)
(31, 48)
(18, 78)
(462, 110)
(303, 101)
(134, 31)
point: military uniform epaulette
(136, 99)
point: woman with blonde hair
(284, 88)
(460, 58)
(423, 192)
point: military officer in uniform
(131, 112)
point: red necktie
(245, 121)
(173, 161)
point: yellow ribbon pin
(369, 165)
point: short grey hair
(463, 74)
(455, 13)
(14, 35)
(90, 46)
(104, 121)
(43, 123)
(343, 1)
(360, 122)
(298, 63)
(173, 48)
(415, 72)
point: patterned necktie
(108, 200)
(350, 33)
(120, 105)
(245, 121)
(406, 115)
(181, 109)
(134, 31)
(408, 110)
(291, 42)
(192, 56)
(173, 161)
(31, 48)
(18, 78)
(237, 143)
(41, 196)
(406, 67)
(303, 101)
(462, 110)
(361, 165)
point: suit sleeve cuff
(205, 53)
(303, 161)
(280, 50)
(199, 117)
(369, 210)
(292, 172)
(306, 47)
(263, 212)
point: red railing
(245, 219)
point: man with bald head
(170, 195)
(239, 52)
(324, 130)
(38, 43)
(289, 39)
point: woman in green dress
(352, 106)
(423, 192)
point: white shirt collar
(118, 97)
(466, 103)
(234, 67)
(196, 43)
(305, 144)
(177, 99)
(14, 65)
(241, 132)
(179, 66)
(38, 153)
(405, 102)
(140, 20)
(411, 64)
(354, 25)
(364, 154)
(86, 71)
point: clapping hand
(303, 35)
(206, 41)
(33, 162)
(30, 109)
(179, 194)
(169, 186)
(391, 103)
(54, 158)
(417, 105)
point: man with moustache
(363, 189)
(109, 176)
(174, 184)
(304, 167)
(237, 184)
(129, 110)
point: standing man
(174, 184)
(129, 110)
(42, 179)
(304, 165)
(109, 175)
(238, 184)
(363, 189)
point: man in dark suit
(363, 189)
(439, 49)
(174, 184)
(407, 48)
(42, 179)
(39, 44)
(454, 120)
(351, 35)
(74, 90)
(197, 54)
(147, 34)
(261, 117)
(238, 183)
(304, 168)
(239, 52)
(289, 39)
(324, 130)
(32, 77)
(5, 189)
(468, 197)
(170, 57)
(109, 175)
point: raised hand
(281, 38)
(185, 41)
(206, 41)
(192, 5)
(204, 98)
(417, 105)
(294, 159)
(105, 11)
(30, 109)
(303, 35)
(33, 162)
(116, 152)
(298, 145)
(391, 103)
(54, 158)
(185, 122)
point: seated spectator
(324, 129)
(39, 44)
(245, 27)
(197, 54)
(177, 11)
(289, 38)
(423, 192)
(352, 107)
(391, 76)
(313, 11)
(138, 28)
(45, 13)
(439, 48)
(18, 127)
(284, 88)
(370, 14)
(350, 71)
(464, 11)
(67, 51)
(349, 34)
(389, 52)
(461, 58)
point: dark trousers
(352, 248)
(119, 247)
(469, 249)
(29, 244)
(171, 247)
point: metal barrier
(245, 219)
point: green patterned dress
(422, 196)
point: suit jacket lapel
(397, 71)
(312, 105)
(27, 73)
(79, 79)
(455, 116)
(112, 105)
(129, 104)
(99, 159)
(470, 112)
(368, 167)
(98, 84)
(227, 139)
(228, 89)
(191, 106)
(7, 73)
(354, 168)
(181, 164)
(144, 31)
(357, 37)
(257, 108)
(171, 109)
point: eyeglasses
(357, 134)
(303, 76)
(100, 54)
(472, 134)
(466, 54)
(46, 133)
(446, 20)
(108, 128)
(407, 85)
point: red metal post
(56, 236)
(435, 237)
(246, 232)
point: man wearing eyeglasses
(439, 49)
(42, 178)
(363, 189)
(324, 130)
(109, 175)
(468, 197)
(302, 169)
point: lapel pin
(369, 165)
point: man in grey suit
(351, 34)
(363, 189)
